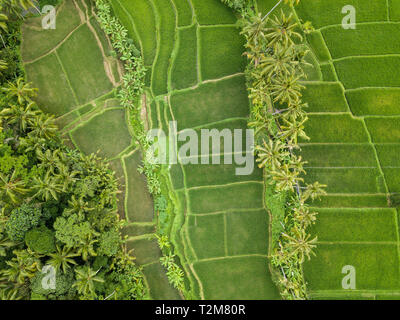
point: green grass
(374, 101)
(55, 95)
(338, 155)
(264, 6)
(359, 41)
(394, 11)
(392, 176)
(106, 133)
(358, 225)
(206, 234)
(214, 154)
(246, 232)
(236, 278)
(137, 230)
(211, 174)
(142, 14)
(221, 52)
(317, 43)
(176, 174)
(376, 265)
(352, 201)
(239, 196)
(209, 103)
(389, 154)
(184, 12)
(37, 41)
(369, 72)
(335, 128)
(325, 97)
(145, 250)
(160, 289)
(328, 72)
(210, 12)
(139, 203)
(184, 70)
(86, 72)
(167, 22)
(384, 129)
(343, 180)
(323, 13)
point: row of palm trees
(130, 95)
(276, 60)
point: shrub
(63, 286)
(109, 243)
(40, 240)
(21, 220)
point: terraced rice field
(194, 54)
(354, 129)
(77, 77)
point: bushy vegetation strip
(276, 59)
(131, 95)
(57, 206)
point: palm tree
(285, 88)
(47, 187)
(283, 30)
(304, 216)
(49, 160)
(86, 246)
(62, 258)
(175, 276)
(11, 186)
(3, 64)
(271, 154)
(23, 266)
(285, 178)
(254, 29)
(300, 244)
(85, 280)
(5, 244)
(293, 129)
(15, 6)
(43, 126)
(280, 62)
(66, 176)
(20, 115)
(20, 90)
(78, 206)
(314, 191)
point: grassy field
(78, 79)
(354, 130)
(221, 225)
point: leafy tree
(21, 220)
(63, 286)
(40, 240)
(109, 243)
(72, 231)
